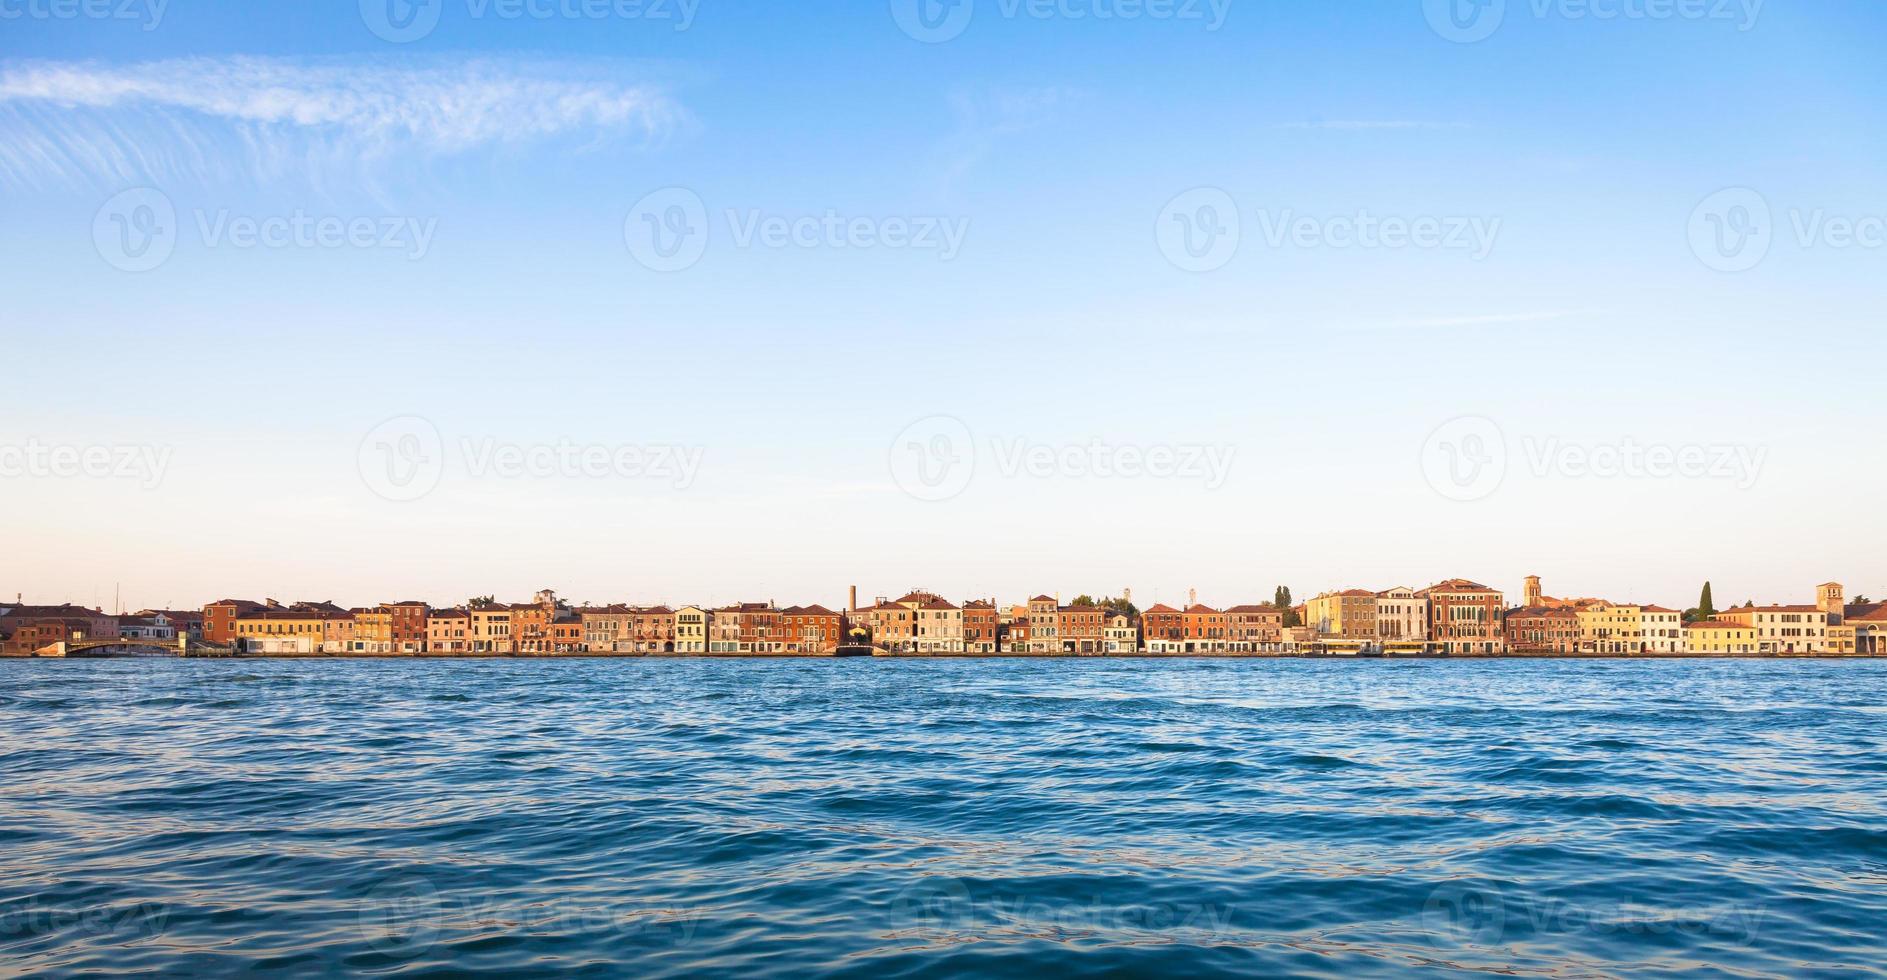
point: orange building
(1466, 617)
(1079, 629)
(655, 630)
(980, 626)
(1254, 627)
(810, 629)
(1207, 629)
(1543, 629)
(407, 626)
(1163, 630)
(219, 619)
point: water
(934, 818)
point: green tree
(1084, 599)
(1706, 607)
(1281, 599)
(1119, 604)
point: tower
(1533, 591)
(1192, 598)
(1831, 599)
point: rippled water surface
(933, 818)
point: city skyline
(332, 296)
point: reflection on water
(917, 818)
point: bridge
(182, 646)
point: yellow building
(1720, 636)
(491, 629)
(691, 629)
(294, 630)
(1350, 614)
(1611, 628)
(1783, 629)
(373, 630)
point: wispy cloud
(66, 123)
(984, 119)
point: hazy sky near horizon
(711, 301)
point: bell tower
(1831, 599)
(1533, 592)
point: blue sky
(1586, 321)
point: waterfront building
(150, 628)
(337, 633)
(1543, 629)
(759, 628)
(936, 623)
(530, 627)
(449, 631)
(296, 630)
(1783, 629)
(981, 627)
(654, 629)
(1347, 615)
(1842, 637)
(373, 630)
(1466, 617)
(724, 630)
(608, 629)
(1612, 628)
(1014, 631)
(1208, 630)
(219, 619)
(94, 623)
(491, 629)
(566, 635)
(1044, 625)
(893, 625)
(1401, 615)
(1662, 629)
(1720, 636)
(810, 629)
(1869, 622)
(1079, 630)
(692, 624)
(1254, 627)
(1120, 637)
(407, 626)
(1163, 630)
(26, 638)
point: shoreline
(969, 656)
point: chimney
(852, 603)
